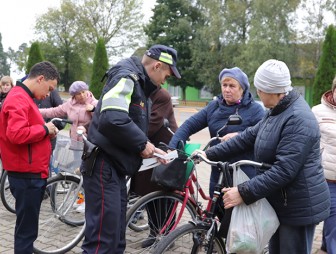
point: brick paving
(7, 219)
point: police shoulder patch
(134, 76)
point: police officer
(119, 127)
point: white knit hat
(273, 77)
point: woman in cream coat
(326, 116)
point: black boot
(150, 240)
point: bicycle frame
(189, 195)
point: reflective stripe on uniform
(166, 58)
(119, 97)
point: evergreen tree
(326, 70)
(100, 66)
(4, 66)
(35, 56)
(175, 23)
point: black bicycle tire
(78, 237)
(139, 203)
(168, 243)
(3, 195)
(149, 198)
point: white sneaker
(77, 171)
(81, 208)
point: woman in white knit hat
(288, 138)
(326, 116)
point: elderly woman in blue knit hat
(79, 108)
(234, 99)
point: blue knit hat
(236, 74)
(77, 87)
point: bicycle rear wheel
(7, 198)
(61, 228)
(189, 238)
(152, 217)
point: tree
(35, 56)
(60, 34)
(310, 27)
(71, 32)
(175, 24)
(327, 66)
(118, 22)
(99, 68)
(19, 57)
(207, 47)
(241, 33)
(269, 34)
(4, 66)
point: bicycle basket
(173, 176)
(67, 154)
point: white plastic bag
(251, 226)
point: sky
(18, 19)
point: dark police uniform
(119, 126)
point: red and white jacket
(25, 145)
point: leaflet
(169, 156)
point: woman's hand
(89, 107)
(197, 152)
(231, 197)
(228, 136)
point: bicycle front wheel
(61, 227)
(189, 238)
(152, 217)
(7, 198)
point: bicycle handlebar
(233, 165)
(210, 141)
(61, 120)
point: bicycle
(61, 227)
(178, 206)
(6, 196)
(201, 234)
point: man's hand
(148, 151)
(52, 129)
(81, 129)
(159, 151)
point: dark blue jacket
(289, 139)
(120, 123)
(214, 116)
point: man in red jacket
(25, 149)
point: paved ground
(7, 220)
